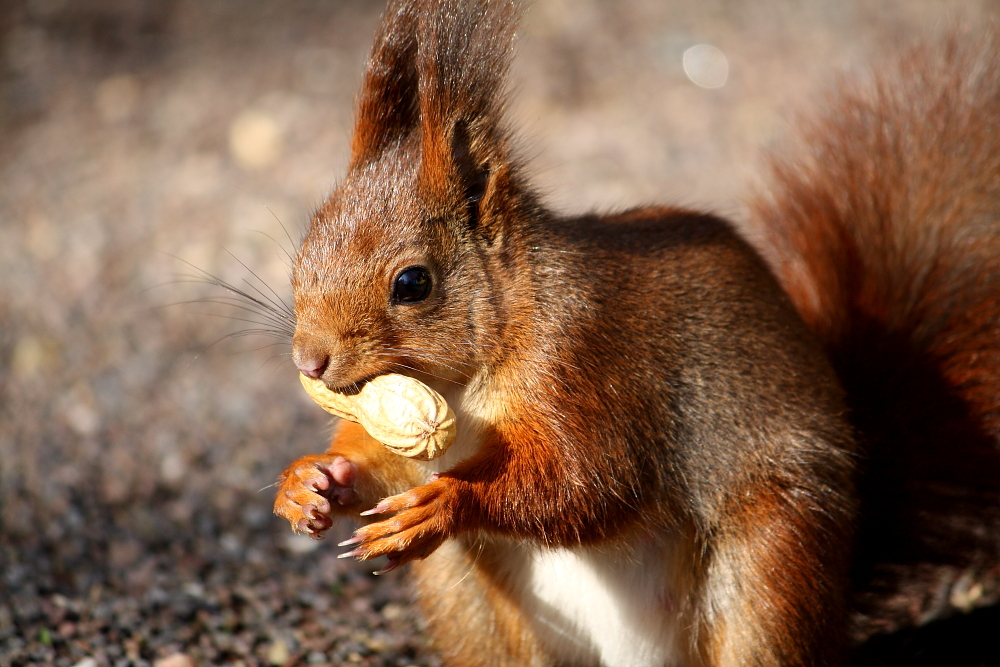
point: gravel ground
(144, 141)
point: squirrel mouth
(354, 388)
(351, 389)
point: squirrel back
(883, 225)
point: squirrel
(679, 441)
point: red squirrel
(674, 446)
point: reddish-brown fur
(642, 377)
(885, 231)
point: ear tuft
(464, 48)
(435, 63)
(387, 107)
(437, 77)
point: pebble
(254, 140)
(278, 653)
(175, 660)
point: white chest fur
(599, 607)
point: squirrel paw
(424, 519)
(309, 488)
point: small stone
(298, 543)
(254, 139)
(194, 589)
(966, 594)
(393, 611)
(33, 355)
(278, 653)
(173, 468)
(175, 660)
(706, 66)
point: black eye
(412, 285)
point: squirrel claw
(389, 567)
(351, 554)
(319, 483)
(381, 508)
(424, 518)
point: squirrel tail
(885, 233)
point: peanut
(404, 414)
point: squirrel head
(398, 271)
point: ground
(146, 141)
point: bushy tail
(885, 232)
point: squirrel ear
(387, 105)
(463, 54)
(473, 176)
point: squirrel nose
(312, 363)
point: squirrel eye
(412, 285)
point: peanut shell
(404, 414)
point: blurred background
(144, 142)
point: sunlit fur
(655, 464)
